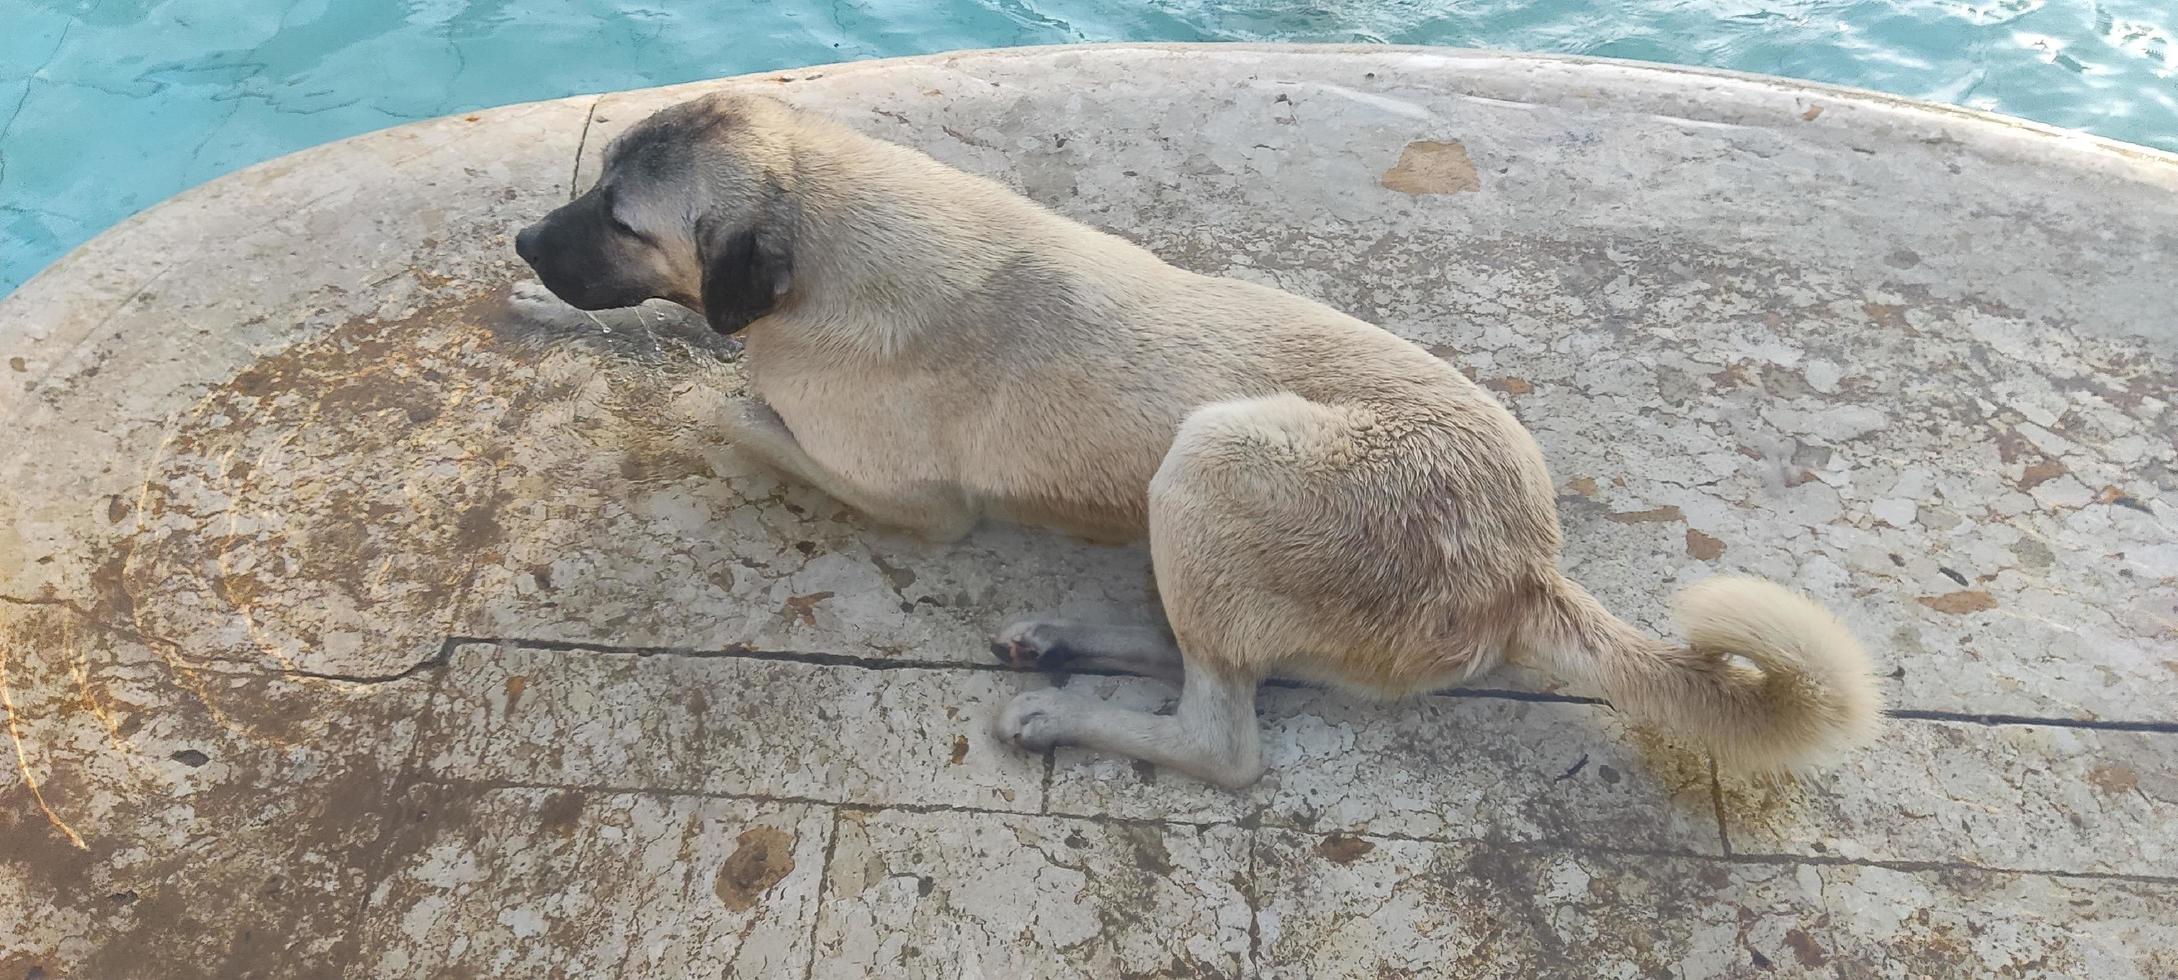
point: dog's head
(694, 205)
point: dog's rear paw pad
(1033, 643)
(1032, 721)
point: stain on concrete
(1343, 850)
(1654, 515)
(1432, 167)
(1960, 603)
(761, 858)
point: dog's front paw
(1033, 643)
(529, 294)
(531, 302)
(1034, 720)
(535, 312)
(751, 423)
(757, 414)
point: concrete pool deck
(360, 615)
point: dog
(1323, 500)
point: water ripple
(113, 106)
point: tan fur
(1802, 695)
(1322, 498)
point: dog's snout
(525, 244)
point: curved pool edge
(105, 273)
(1487, 57)
(1980, 124)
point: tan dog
(1323, 500)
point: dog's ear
(745, 273)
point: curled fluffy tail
(1767, 680)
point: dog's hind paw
(1034, 720)
(1033, 644)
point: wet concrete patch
(733, 725)
(931, 895)
(2003, 796)
(509, 882)
(1407, 908)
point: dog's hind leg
(1067, 645)
(1212, 736)
(1214, 514)
(1250, 535)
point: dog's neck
(889, 245)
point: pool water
(108, 106)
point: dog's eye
(624, 227)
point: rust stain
(1805, 948)
(75, 656)
(112, 578)
(2041, 473)
(1703, 546)
(2010, 445)
(1343, 850)
(803, 607)
(370, 391)
(18, 365)
(960, 749)
(1583, 485)
(1959, 603)
(2114, 495)
(308, 401)
(1510, 386)
(1734, 375)
(1655, 515)
(514, 687)
(1885, 314)
(1812, 112)
(2114, 780)
(22, 761)
(1432, 167)
(1151, 853)
(764, 855)
(561, 813)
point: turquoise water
(108, 106)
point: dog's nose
(525, 244)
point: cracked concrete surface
(361, 616)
